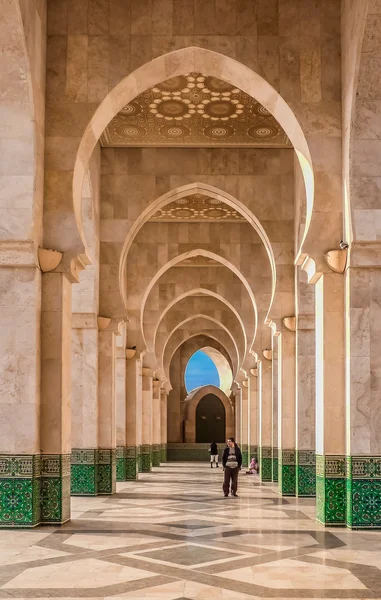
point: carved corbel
(337, 260)
(49, 259)
(289, 323)
(245, 384)
(268, 354)
(146, 372)
(103, 323)
(130, 352)
(254, 372)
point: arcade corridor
(171, 535)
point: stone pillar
(265, 418)
(286, 413)
(84, 404)
(106, 410)
(363, 376)
(238, 415)
(330, 400)
(163, 425)
(276, 392)
(147, 393)
(133, 408)
(253, 415)
(245, 423)
(20, 314)
(305, 390)
(120, 402)
(55, 397)
(156, 424)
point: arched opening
(210, 420)
(200, 371)
(208, 366)
(182, 62)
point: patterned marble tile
(172, 536)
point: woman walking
(232, 462)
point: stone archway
(177, 63)
(190, 408)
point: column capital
(147, 372)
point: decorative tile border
(106, 461)
(121, 463)
(265, 463)
(363, 492)
(131, 463)
(139, 458)
(146, 460)
(245, 455)
(55, 488)
(188, 452)
(84, 472)
(274, 464)
(305, 473)
(163, 453)
(20, 489)
(155, 454)
(330, 490)
(287, 472)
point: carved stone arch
(180, 62)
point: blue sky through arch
(199, 371)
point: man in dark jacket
(232, 463)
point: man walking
(232, 462)
(213, 454)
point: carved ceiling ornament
(194, 110)
(196, 208)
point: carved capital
(49, 259)
(130, 353)
(289, 323)
(268, 354)
(336, 260)
(254, 372)
(103, 323)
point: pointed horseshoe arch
(181, 62)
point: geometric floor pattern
(173, 536)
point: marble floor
(173, 536)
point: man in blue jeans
(232, 463)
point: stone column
(55, 397)
(363, 376)
(147, 390)
(163, 424)
(276, 393)
(156, 424)
(120, 401)
(245, 423)
(330, 400)
(286, 413)
(106, 409)
(133, 408)
(265, 418)
(305, 391)
(238, 415)
(84, 404)
(253, 415)
(20, 355)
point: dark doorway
(210, 420)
